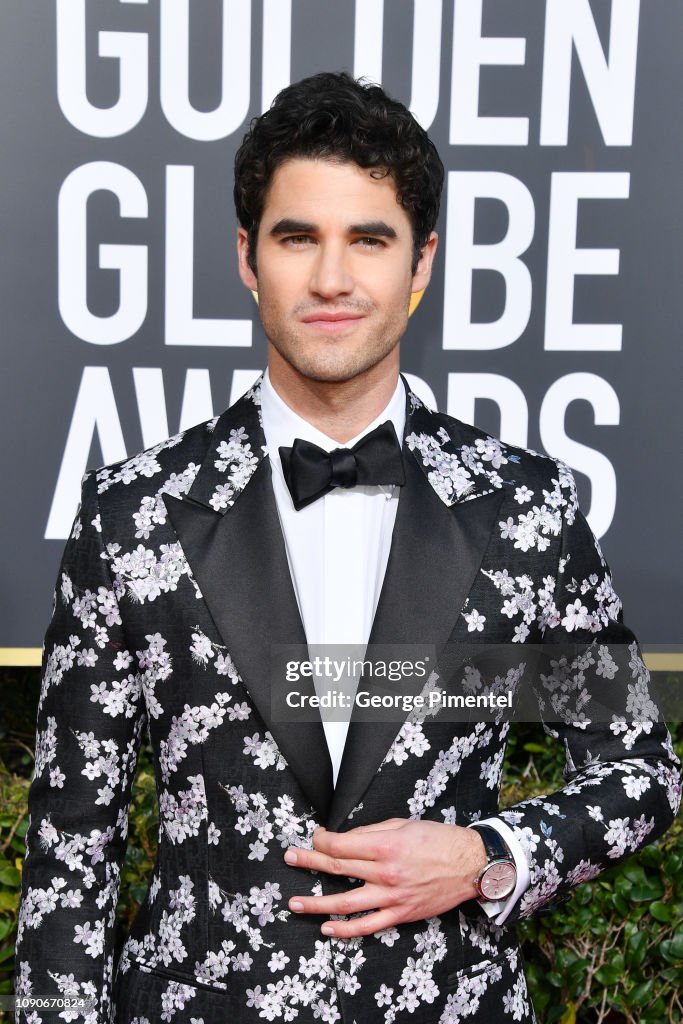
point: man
(310, 870)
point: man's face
(334, 282)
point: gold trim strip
(20, 657)
(663, 661)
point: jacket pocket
(152, 994)
(509, 960)
(171, 975)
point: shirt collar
(281, 424)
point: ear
(423, 272)
(246, 273)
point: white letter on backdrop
(276, 50)
(205, 125)
(129, 48)
(182, 327)
(463, 257)
(611, 82)
(368, 52)
(565, 261)
(95, 410)
(465, 388)
(150, 393)
(129, 260)
(470, 51)
(595, 465)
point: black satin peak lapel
(239, 561)
(436, 551)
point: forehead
(331, 191)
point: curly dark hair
(334, 115)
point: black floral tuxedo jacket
(173, 585)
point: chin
(334, 362)
(334, 374)
(345, 367)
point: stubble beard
(332, 360)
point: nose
(331, 275)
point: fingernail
(296, 905)
(291, 857)
(327, 929)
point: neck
(340, 409)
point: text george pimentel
(404, 702)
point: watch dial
(499, 881)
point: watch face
(498, 880)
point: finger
(378, 826)
(354, 901)
(366, 925)
(315, 860)
(355, 845)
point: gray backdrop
(552, 318)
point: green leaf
(9, 875)
(672, 865)
(7, 953)
(9, 900)
(576, 976)
(609, 975)
(637, 947)
(622, 886)
(584, 895)
(635, 873)
(138, 891)
(640, 994)
(660, 911)
(616, 1001)
(619, 904)
(671, 950)
(565, 958)
(647, 892)
(555, 1014)
(654, 1014)
(535, 748)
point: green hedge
(612, 954)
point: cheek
(388, 286)
(281, 286)
(271, 295)
(396, 302)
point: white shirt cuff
(503, 908)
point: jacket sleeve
(91, 716)
(623, 782)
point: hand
(412, 870)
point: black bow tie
(310, 471)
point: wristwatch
(498, 878)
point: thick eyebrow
(377, 228)
(289, 226)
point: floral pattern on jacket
(137, 644)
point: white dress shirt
(337, 550)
